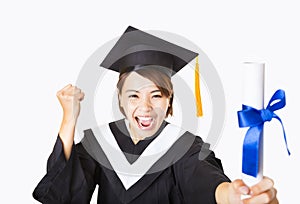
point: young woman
(141, 158)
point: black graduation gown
(187, 179)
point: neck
(135, 140)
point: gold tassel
(197, 89)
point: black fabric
(131, 151)
(187, 179)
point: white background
(44, 44)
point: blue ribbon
(255, 119)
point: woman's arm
(67, 179)
(230, 193)
(69, 98)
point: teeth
(144, 122)
(144, 118)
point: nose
(145, 105)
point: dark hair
(160, 79)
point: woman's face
(144, 105)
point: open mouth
(144, 123)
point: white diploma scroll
(253, 95)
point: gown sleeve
(67, 181)
(199, 174)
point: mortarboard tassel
(197, 89)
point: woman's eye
(133, 96)
(157, 96)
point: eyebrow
(132, 90)
(156, 91)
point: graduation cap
(136, 49)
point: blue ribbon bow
(255, 119)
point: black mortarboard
(136, 49)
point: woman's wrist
(69, 120)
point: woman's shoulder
(197, 151)
(195, 144)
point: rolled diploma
(253, 95)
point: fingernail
(244, 190)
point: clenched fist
(69, 98)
